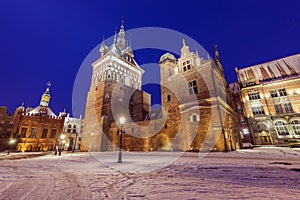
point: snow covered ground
(261, 173)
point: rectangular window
(258, 110)
(273, 93)
(168, 97)
(278, 108)
(254, 95)
(282, 92)
(288, 107)
(33, 132)
(53, 133)
(44, 134)
(186, 66)
(23, 132)
(193, 87)
(250, 83)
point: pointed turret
(46, 96)
(121, 42)
(216, 52)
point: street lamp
(121, 123)
(11, 142)
(62, 142)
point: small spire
(115, 38)
(216, 52)
(183, 42)
(122, 24)
(197, 54)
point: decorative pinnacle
(183, 42)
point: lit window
(296, 126)
(250, 83)
(281, 128)
(254, 95)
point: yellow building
(270, 93)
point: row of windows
(34, 132)
(281, 92)
(254, 95)
(258, 110)
(282, 127)
(287, 107)
(274, 93)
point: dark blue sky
(48, 40)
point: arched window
(262, 127)
(194, 118)
(281, 128)
(296, 126)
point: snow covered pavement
(261, 173)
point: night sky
(48, 40)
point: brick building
(37, 129)
(270, 93)
(6, 124)
(197, 109)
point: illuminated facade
(270, 93)
(37, 129)
(73, 128)
(198, 112)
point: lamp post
(62, 142)
(11, 142)
(121, 123)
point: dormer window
(186, 65)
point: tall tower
(115, 90)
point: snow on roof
(288, 66)
(41, 110)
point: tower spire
(121, 37)
(46, 96)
